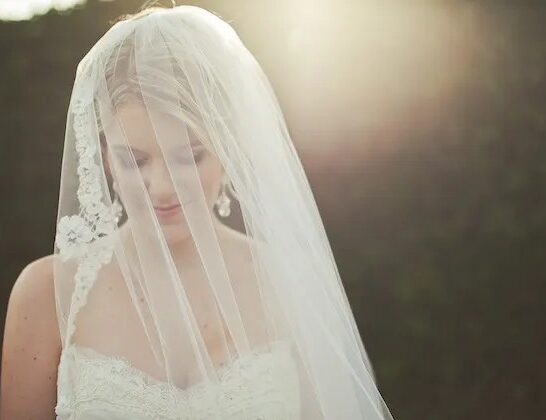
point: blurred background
(421, 126)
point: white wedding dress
(262, 385)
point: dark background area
(421, 126)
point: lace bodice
(262, 385)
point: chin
(176, 232)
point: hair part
(146, 9)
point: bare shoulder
(35, 277)
(33, 291)
(31, 303)
(31, 345)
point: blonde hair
(146, 9)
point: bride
(151, 307)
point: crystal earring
(223, 202)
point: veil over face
(166, 111)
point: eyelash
(198, 156)
(126, 161)
(140, 162)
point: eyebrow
(124, 148)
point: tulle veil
(132, 282)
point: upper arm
(31, 347)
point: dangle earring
(223, 202)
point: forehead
(139, 128)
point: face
(187, 160)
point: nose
(159, 183)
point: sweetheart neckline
(264, 350)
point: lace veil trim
(88, 235)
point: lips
(165, 211)
(166, 208)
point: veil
(172, 125)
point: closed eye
(185, 158)
(126, 160)
(123, 154)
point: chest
(262, 385)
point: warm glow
(361, 66)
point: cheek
(210, 173)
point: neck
(183, 251)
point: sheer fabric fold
(164, 106)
